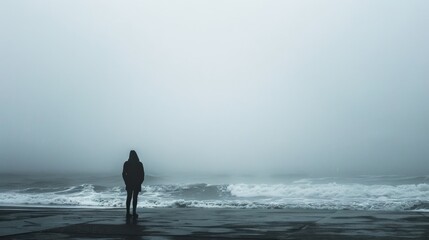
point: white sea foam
(336, 196)
(300, 194)
(85, 196)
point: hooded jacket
(133, 173)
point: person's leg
(129, 194)
(135, 195)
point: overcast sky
(215, 86)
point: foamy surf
(298, 194)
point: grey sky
(215, 86)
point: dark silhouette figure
(133, 175)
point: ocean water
(107, 191)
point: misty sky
(215, 86)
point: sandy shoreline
(197, 223)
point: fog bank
(222, 87)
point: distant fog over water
(215, 87)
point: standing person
(133, 175)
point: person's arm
(124, 173)
(141, 173)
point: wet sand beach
(198, 223)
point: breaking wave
(299, 194)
